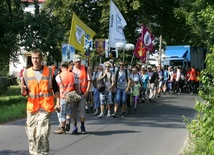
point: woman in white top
(177, 80)
(106, 96)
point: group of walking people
(107, 88)
(126, 86)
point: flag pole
(160, 50)
(132, 59)
(88, 60)
(147, 57)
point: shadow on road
(111, 132)
(10, 152)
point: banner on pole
(140, 51)
(147, 39)
(116, 26)
(79, 32)
(100, 45)
(67, 52)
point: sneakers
(96, 113)
(114, 115)
(67, 125)
(59, 131)
(75, 130)
(109, 114)
(83, 131)
(100, 115)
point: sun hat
(107, 63)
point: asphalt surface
(156, 128)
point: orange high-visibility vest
(83, 79)
(40, 95)
(67, 83)
(192, 74)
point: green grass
(13, 105)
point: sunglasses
(107, 66)
(121, 64)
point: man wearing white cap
(84, 81)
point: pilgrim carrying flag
(80, 34)
(140, 51)
(147, 39)
(116, 25)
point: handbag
(71, 97)
(100, 86)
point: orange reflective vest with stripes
(192, 74)
(40, 95)
(83, 79)
(66, 82)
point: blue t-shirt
(166, 75)
(145, 79)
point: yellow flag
(80, 34)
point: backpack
(116, 77)
(99, 85)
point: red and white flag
(147, 39)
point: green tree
(199, 16)
(11, 14)
(158, 16)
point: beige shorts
(79, 107)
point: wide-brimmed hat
(149, 66)
(76, 58)
(107, 63)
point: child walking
(136, 92)
(145, 80)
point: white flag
(116, 25)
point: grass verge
(13, 105)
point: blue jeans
(64, 110)
(96, 98)
(106, 98)
(121, 96)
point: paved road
(156, 128)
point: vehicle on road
(185, 56)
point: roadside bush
(201, 130)
(13, 105)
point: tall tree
(199, 16)
(11, 15)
